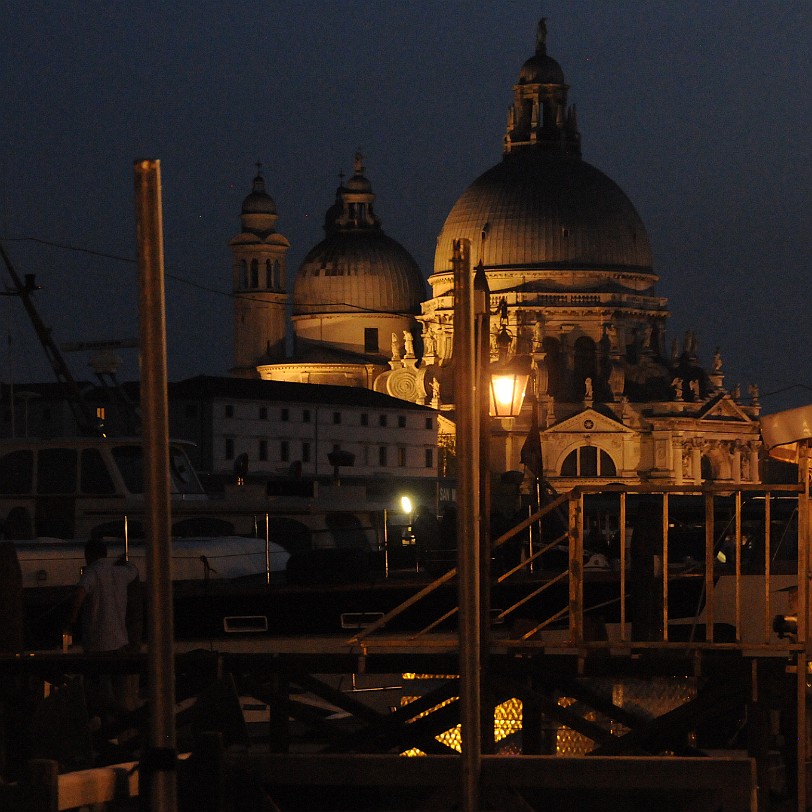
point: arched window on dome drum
(277, 274)
(243, 274)
(588, 461)
(254, 273)
(269, 281)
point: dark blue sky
(700, 111)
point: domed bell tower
(258, 282)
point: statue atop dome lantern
(541, 36)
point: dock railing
(738, 552)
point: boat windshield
(130, 462)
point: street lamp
(507, 386)
(408, 538)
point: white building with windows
(286, 429)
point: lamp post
(477, 382)
(408, 538)
(468, 526)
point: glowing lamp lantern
(406, 504)
(508, 385)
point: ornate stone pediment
(589, 421)
(724, 408)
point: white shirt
(104, 613)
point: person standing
(101, 600)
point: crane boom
(85, 419)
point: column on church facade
(754, 471)
(736, 463)
(677, 458)
(696, 462)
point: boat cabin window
(129, 461)
(95, 478)
(16, 472)
(57, 470)
(184, 479)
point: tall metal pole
(803, 620)
(483, 362)
(158, 762)
(468, 524)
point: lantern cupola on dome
(539, 117)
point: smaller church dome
(355, 271)
(258, 201)
(357, 267)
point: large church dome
(357, 267)
(541, 210)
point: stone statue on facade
(647, 331)
(408, 344)
(625, 410)
(538, 335)
(745, 465)
(429, 343)
(395, 347)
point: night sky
(700, 111)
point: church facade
(572, 290)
